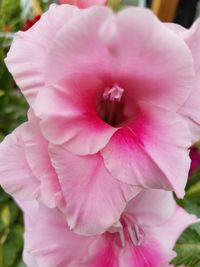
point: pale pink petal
(191, 37)
(31, 209)
(36, 151)
(16, 177)
(176, 28)
(152, 151)
(95, 200)
(151, 207)
(49, 240)
(146, 53)
(72, 112)
(191, 108)
(26, 57)
(169, 232)
(77, 48)
(29, 259)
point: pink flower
(26, 172)
(110, 86)
(143, 237)
(83, 3)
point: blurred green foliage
(12, 113)
(9, 13)
(188, 245)
(11, 231)
(13, 109)
(188, 248)
(13, 105)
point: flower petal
(16, 177)
(90, 191)
(36, 151)
(31, 209)
(151, 207)
(49, 240)
(152, 152)
(168, 233)
(190, 109)
(175, 27)
(81, 51)
(191, 37)
(26, 57)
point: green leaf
(2, 93)
(3, 196)
(5, 215)
(193, 179)
(10, 13)
(196, 228)
(188, 249)
(21, 264)
(12, 246)
(189, 206)
(193, 193)
(1, 255)
(14, 211)
(114, 4)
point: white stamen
(137, 231)
(132, 236)
(113, 94)
(139, 234)
(122, 237)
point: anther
(113, 94)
